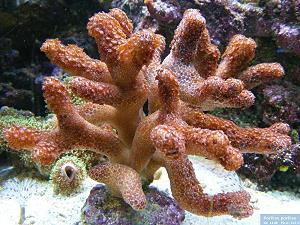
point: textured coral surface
(180, 90)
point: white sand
(43, 207)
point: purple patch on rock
(103, 208)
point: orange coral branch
(206, 57)
(239, 52)
(124, 57)
(108, 34)
(142, 148)
(204, 83)
(187, 35)
(124, 54)
(167, 125)
(196, 68)
(72, 132)
(215, 89)
(136, 52)
(259, 140)
(96, 92)
(261, 73)
(123, 181)
(123, 20)
(21, 137)
(73, 60)
(98, 114)
(213, 145)
(189, 194)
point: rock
(280, 171)
(102, 208)
(281, 104)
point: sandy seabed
(43, 207)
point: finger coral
(189, 82)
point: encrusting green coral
(67, 175)
(89, 158)
(74, 99)
(9, 116)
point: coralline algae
(101, 208)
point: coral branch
(123, 20)
(239, 52)
(215, 88)
(259, 140)
(168, 90)
(197, 71)
(108, 34)
(188, 193)
(206, 57)
(21, 137)
(123, 181)
(72, 132)
(142, 148)
(168, 140)
(261, 73)
(98, 114)
(73, 60)
(124, 57)
(187, 35)
(213, 145)
(96, 92)
(136, 52)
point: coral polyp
(180, 90)
(67, 175)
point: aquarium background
(272, 180)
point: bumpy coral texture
(187, 83)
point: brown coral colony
(180, 90)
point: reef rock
(281, 104)
(102, 208)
